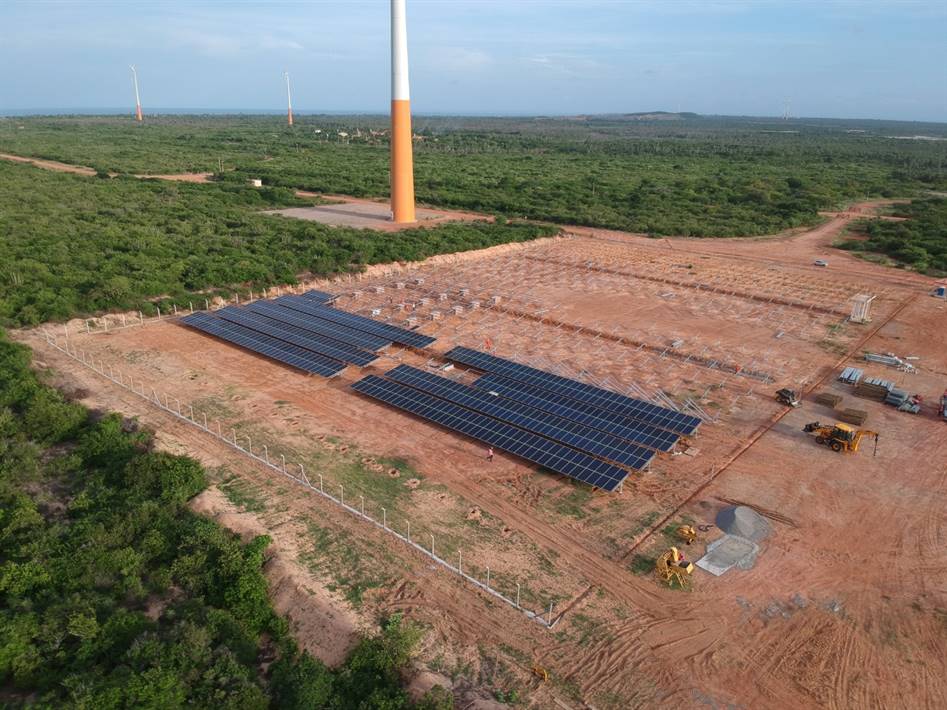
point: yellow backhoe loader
(672, 565)
(840, 437)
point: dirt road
(90, 172)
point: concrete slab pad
(367, 214)
(726, 552)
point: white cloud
(572, 65)
(460, 58)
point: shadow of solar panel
(613, 402)
(319, 296)
(264, 345)
(344, 334)
(296, 336)
(565, 431)
(396, 334)
(526, 445)
(588, 414)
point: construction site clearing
(838, 598)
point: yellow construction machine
(840, 437)
(686, 533)
(672, 565)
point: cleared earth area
(846, 604)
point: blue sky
(865, 58)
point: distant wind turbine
(138, 116)
(289, 101)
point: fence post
(517, 596)
(488, 578)
(460, 561)
(266, 453)
(408, 523)
(284, 462)
(384, 518)
(432, 545)
(341, 495)
(362, 499)
(321, 489)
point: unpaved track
(56, 166)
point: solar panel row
(565, 431)
(396, 334)
(633, 408)
(588, 414)
(297, 336)
(319, 296)
(344, 334)
(265, 345)
(527, 445)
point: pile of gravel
(744, 522)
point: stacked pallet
(828, 399)
(871, 390)
(853, 416)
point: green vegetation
(698, 176)
(73, 245)
(642, 564)
(920, 242)
(114, 594)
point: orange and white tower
(137, 97)
(402, 162)
(289, 101)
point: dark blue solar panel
(265, 345)
(344, 334)
(396, 334)
(613, 402)
(297, 336)
(319, 296)
(579, 436)
(526, 445)
(617, 424)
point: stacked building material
(911, 405)
(891, 360)
(851, 375)
(871, 390)
(828, 399)
(853, 416)
(896, 397)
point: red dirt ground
(846, 605)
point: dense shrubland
(920, 242)
(699, 177)
(114, 594)
(74, 245)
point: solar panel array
(265, 345)
(343, 334)
(579, 436)
(392, 332)
(319, 296)
(631, 430)
(636, 409)
(304, 332)
(297, 336)
(525, 444)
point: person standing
(490, 453)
